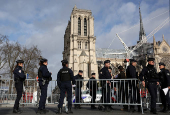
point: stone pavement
(84, 111)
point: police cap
(120, 67)
(161, 63)
(151, 59)
(43, 60)
(64, 61)
(132, 60)
(93, 74)
(80, 71)
(106, 61)
(19, 61)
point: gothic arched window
(79, 26)
(85, 27)
(79, 44)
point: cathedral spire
(142, 35)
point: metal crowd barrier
(108, 92)
(120, 92)
(31, 92)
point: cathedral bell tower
(79, 43)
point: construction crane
(130, 53)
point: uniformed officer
(106, 94)
(150, 80)
(131, 74)
(19, 78)
(64, 78)
(79, 85)
(92, 85)
(164, 76)
(44, 76)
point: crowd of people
(65, 79)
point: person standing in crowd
(19, 78)
(110, 71)
(105, 74)
(164, 76)
(44, 76)
(64, 78)
(150, 79)
(131, 74)
(79, 85)
(92, 86)
(123, 91)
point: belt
(152, 82)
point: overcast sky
(43, 23)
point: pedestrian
(92, 86)
(19, 78)
(150, 80)
(44, 77)
(134, 90)
(79, 84)
(123, 89)
(106, 85)
(64, 78)
(164, 76)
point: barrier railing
(101, 92)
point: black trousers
(123, 92)
(43, 96)
(165, 98)
(93, 95)
(19, 89)
(65, 87)
(106, 94)
(152, 88)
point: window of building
(79, 26)
(86, 45)
(79, 44)
(85, 27)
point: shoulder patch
(19, 71)
(100, 72)
(168, 73)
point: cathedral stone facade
(79, 43)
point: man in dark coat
(164, 76)
(106, 84)
(131, 74)
(79, 83)
(150, 79)
(92, 85)
(123, 89)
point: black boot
(153, 110)
(41, 111)
(20, 111)
(15, 111)
(168, 109)
(69, 110)
(59, 111)
(164, 109)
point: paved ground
(84, 111)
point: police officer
(64, 78)
(150, 80)
(19, 78)
(44, 76)
(105, 74)
(92, 85)
(164, 76)
(131, 74)
(79, 85)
